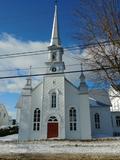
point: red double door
(52, 130)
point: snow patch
(13, 137)
(9, 144)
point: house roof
(95, 103)
(2, 107)
(101, 96)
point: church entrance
(52, 128)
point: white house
(4, 117)
(57, 109)
(115, 99)
(115, 110)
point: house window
(72, 119)
(116, 134)
(118, 121)
(53, 104)
(97, 121)
(36, 120)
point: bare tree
(98, 24)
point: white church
(57, 109)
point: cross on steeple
(29, 79)
(81, 67)
(30, 70)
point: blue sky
(24, 26)
(32, 19)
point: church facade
(57, 109)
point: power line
(23, 54)
(40, 52)
(57, 73)
(33, 53)
(33, 68)
(13, 70)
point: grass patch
(58, 157)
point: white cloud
(9, 44)
(12, 114)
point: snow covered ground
(10, 145)
(9, 138)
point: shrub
(8, 131)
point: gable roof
(39, 84)
(71, 84)
(97, 97)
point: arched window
(54, 56)
(72, 119)
(36, 120)
(53, 100)
(52, 119)
(118, 121)
(97, 120)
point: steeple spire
(28, 86)
(82, 76)
(55, 38)
(83, 88)
(29, 79)
(55, 63)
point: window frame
(52, 119)
(58, 94)
(36, 119)
(72, 119)
(53, 100)
(117, 118)
(97, 120)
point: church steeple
(83, 88)
(29, 80)
(55, 38)
(26, 91)
(55, 63)
(82, 76)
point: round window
(53, 69)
